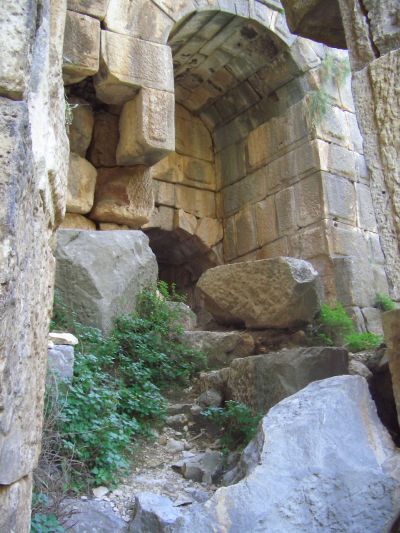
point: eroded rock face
(153, 513)
(100, 274)
(321, 461)
(391, 326)
(261, 381)
(272, 293)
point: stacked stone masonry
(215, 101)
(33, 176)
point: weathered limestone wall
(33, 164)
(372, 34)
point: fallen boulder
(153, 514)
(282, 292)
(261, 381)
(99, 274)
(321, 461)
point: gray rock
(93, 516)
(261, 381)
(176, 421)
(356, 368)
(61, 362)
(282, 292)
(220, 347)
(203, 467)
(321, 462)
(100, 273)
(175, 446)
(186, 318)
(153, 514)
(373, 320)
(210, 398)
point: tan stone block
(210, 231)
(185, 222)
(230, 239)
(286, 210)
(128, 64)
(18, 25)
(94, 8)
(75, 221)
(107, 226)
(346, 240)
(146, 128)
(309, 200)
(81, 47)
(81, 184)
(354, 281)
(81, 129)
(196, 201)
(164, 193)
(192, 136)
(246, 230)
(123, 195)
(309, 242)
(102, 151)
(266, 221)
(278, 248)
(162, 217)
(340, 198)
(15, 499)
(198, 173)
(335, 159)
(138, 18)
(365, 208)
(231, 199)
(230, 164)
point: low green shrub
(384, 302)
(116, 392)
(237, 423)
(44, 519)
(335, 327)
(357, 342)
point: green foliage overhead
(238, 423)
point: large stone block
(18, 27)
(391, 328)
(128, 64)
(93, 8)
(196, 201)
(138, 18)
(81, 184)
(246, 232)
(220, 347)
(351, 288)
(147, 128)
(81, 47)
(102, 151)
(210, 231)
(15, 505)
(123, 195)
(81, 129)
(74, 221)
(192, 136)
(271, 293)
(262, 381)
(100, 273)
(321, 460)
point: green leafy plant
(384, 302)
(43, 519)
(332, 69)
(335, 327)
(238, 423)
(357, 342)
(116, 392)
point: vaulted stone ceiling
(224, 64)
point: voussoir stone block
(261, 381)
(100, 273)
(147, 128)
(124, 195)
(81, 47)
(127, 64)
(81, 184)
(282, 292)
